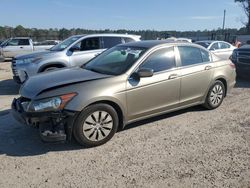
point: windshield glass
(204, 44)
(4, 42)
(64, 44)
(116, 60)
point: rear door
(196, 73)
(88, 49)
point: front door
(196, 74)
(161, 92)
(88, 49)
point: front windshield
(64, 44)
(116, 60)
(4, 42)
(204, 44)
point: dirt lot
(189, 148)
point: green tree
(246, 7)
(20, 31)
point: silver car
(220, 48)
(74, 51)
(126, 83)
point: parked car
(18, 46)
(126, 83)
(220, 48)
(47, 44)
(173, 39)
(74, 51)
(241, 59)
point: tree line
(61, 34)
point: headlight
(28, 60)
(48, 104)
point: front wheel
(96, 125)
(215, 95)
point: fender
(51, 64)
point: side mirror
(74, 49)
(145, 72)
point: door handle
(21, 47)
(208, 67)
(173, 76)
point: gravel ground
(188, 148)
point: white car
(220, 48)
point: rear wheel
(96, 125)
(215, 95)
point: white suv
(74, 51)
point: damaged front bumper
(53, 126)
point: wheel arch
(117, 108)
(53, 64)
(224, 81)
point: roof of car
(110, 34)
(151, 43)
(210, 41)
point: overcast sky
(116, 14)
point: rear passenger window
(205, 56)
(127, 40)
(23, 42)
(110, 42)
(190, 55)
(161, 60)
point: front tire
(96, 125)
(215, 95)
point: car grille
(244, 57)
(244, 60)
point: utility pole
(224, 20)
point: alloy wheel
(97, 126)
(216, 95)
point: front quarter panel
(109, 89)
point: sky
(180, 15)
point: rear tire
(96, 125)
(215, 95)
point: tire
(96, 125)
(215, 95)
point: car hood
(37, 54)
(46, 81)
